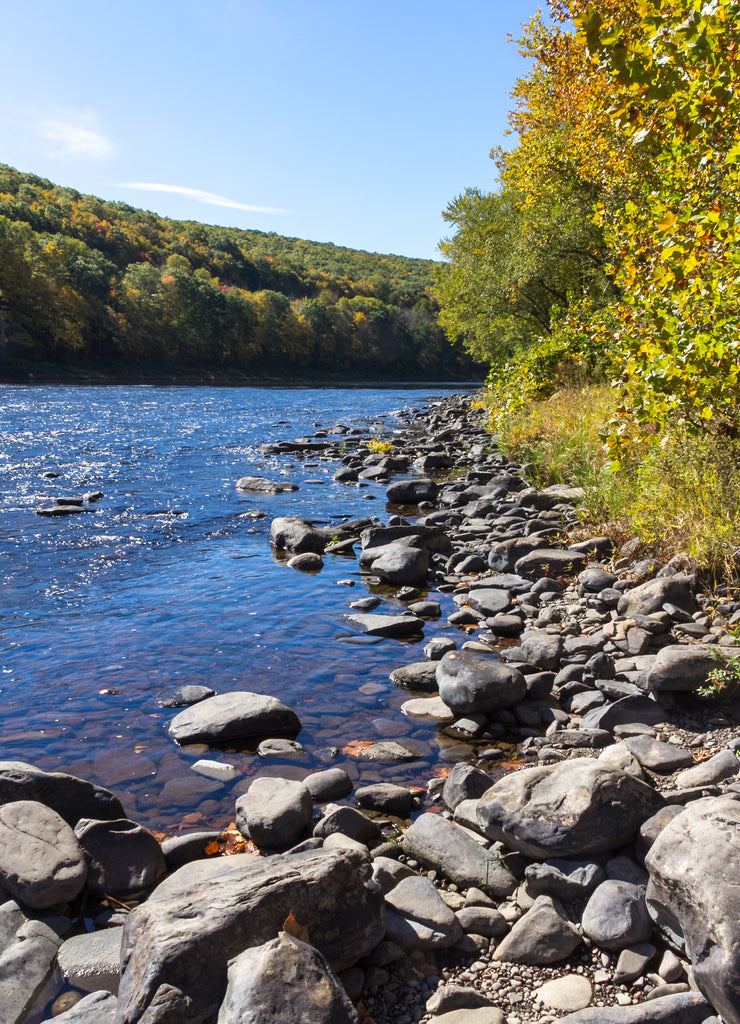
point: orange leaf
(291, 926)
(355, 746)
(212, 848)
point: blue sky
(335, 121)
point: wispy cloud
(75, 136)
(199, 196)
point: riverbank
(586, 658)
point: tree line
(87, 283)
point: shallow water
(165, 583)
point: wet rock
(388, 750)
(693, 895)
(183, 696)
(569, 809)
(545, 935)
(386, 798)
(280, 747)
(307, 562)
(177, 945)
(419, 675)
(470, 683)
(417, 917)
(97, 1008)
(284, 981)
(330, 784)
(426, 609)
(122, 856)
(412, 491)
(288, 533)
(443, 845)
(616, 916)
(41, 863)
(398, 626)
(274, 812)
(264, 486)
(70, 797)
(239, 715)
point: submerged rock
(239, 715)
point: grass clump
(679, 492)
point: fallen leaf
(291, 926)
(212, 848)
(355, 746)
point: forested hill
(95, 285)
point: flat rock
(264, 486)
(544, 935)
(431, 709)
(569, 809)
(92, 961)
(284, 981)
(570, 992)
(477, 1015)
(41, 862)
(239, 715)
(441, 844)
(388, 750)
(662, 758)
(178, 943)
(550, 562)
(686, 1008)
(724, 765)
(387, 625)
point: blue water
(166, 583)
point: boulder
(419, 675)
(441, 844)
(386, 798)
(274, 812)
(651, 596)
(544, 935)
(694, 894)
(402, 565)
(178, 944)
(616, 915)
(122, 856)
(349, 822)
(70, 797)
(417, 917)
(239, 715)
(679, 667)
(41, 863)
(329, 784)
(289, 533)
(412, 491)
(470, 683)
(569, 809)
(284, 981)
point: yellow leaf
(291, 927)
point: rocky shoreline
(590, 879)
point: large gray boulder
(289, 533)
(122, 856)
(616, 916)
(441, 844)
(284, 981)
(239, 715)
(679, 667)
(651, 596)
(41, 862)
(178, 944)
(274, 812)
(470, 683)
(694, 894)
(402, 565)
(569, 809)
(70, 797)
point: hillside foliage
(90, 283)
